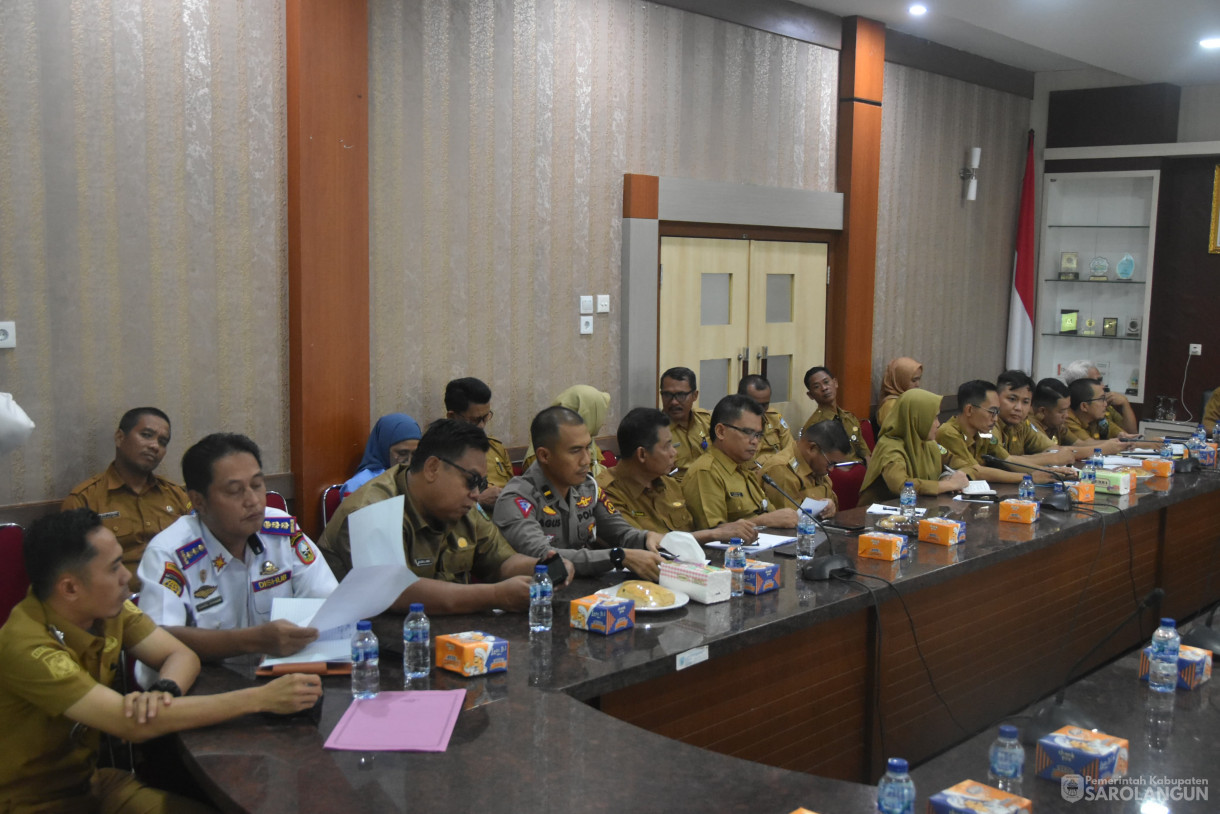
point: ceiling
(1144, 40)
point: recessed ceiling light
(919, 10)
(1210, 42)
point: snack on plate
(646, 594)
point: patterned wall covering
(143, 242)
(944, 267)
(500, 132)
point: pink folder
(409, 721)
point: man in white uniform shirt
(210, 578)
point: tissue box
(706, 584)
(761, 576)
(971, 797)
(1096, 756)
(1194, 666)
(1161, 467)
(1082, 492)
(941, 530)
(1019, 511)
(882, 545)
(1115, 483)
(600, 614)
(472, 653)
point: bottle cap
(908, 483)
(417, 607)
(734, 541)
(1008, 731)
(364, 624)
(1167, 622)
(539, 569)
(898, 765)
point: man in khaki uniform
(971, 434)
(1119, 412)
(776, 438)
(447, 540)
(723, 485)
(469, 400)
(823, 388)
(1018, 435)
(641, 488)
(804, 470)
(133, 502)
(690, 426)
(1087, 422)
(59, 653)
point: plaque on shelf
(1067, 320)
(1099, 268)
(1109, 326)
(1133, 326)
(1090, 327)
(1125, 269)
(1067, 266)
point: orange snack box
(472, 653)
(971, 797)
(882, 545)
(1019, 511)
(1161, 467)
(601, 614)
(1082, 492)
(941, 531)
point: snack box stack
(1019, 511)
(472, 653)
(761, 577)
(941, 531)
(882, 545)
(1096, 756)
(971, 797)
(601, 614)
(706, 584)
(1194, 666)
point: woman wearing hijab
(593, 405)
(394, 437)
(902, 374)
(906, 451)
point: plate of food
(649, 597)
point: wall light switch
(603, 303)
(8, 334)
(586, 303)
(586, 325)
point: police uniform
(1024, 438)
(952, 438)
(1073, 431)
(795, 477)
(719, 490)
(134, 519)
(499, 465)
(583, 527)
(851, 425)
(660, 506)
(692, 440)
(471, 548)
(49, 664)
(775, 440)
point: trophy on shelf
(1109, 326)
(1099, 270)
(1133, 327)
(1090, 327)
(1068, 319)
(1067, 266)
(1125, 269)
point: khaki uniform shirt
(796, 478)
(1023, 438)
(952, 438)
(851, 426)
(583, 527)
(134, 519)
(1073, 431)
(1041, 429)
(45, 756)
(719, 490)
(692, 441)
(499, 465)
(659, 507)
(776, 438)
(471, 547)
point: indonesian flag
(1021, 306)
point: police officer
(210, 578)
(776, 438)
(823, 388)
(556, 504)
(690, 426)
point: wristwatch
(617, 555)
(167, 685)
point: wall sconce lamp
(969, 174)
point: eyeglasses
(669, 395)
(474, 481)
(753, 435)
(1090, 401)
(994, 412)
(481, 421)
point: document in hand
(410, 721)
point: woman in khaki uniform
(906, 452)
(902, 374)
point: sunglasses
(474, 481)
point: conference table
(765, 703)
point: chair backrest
(331, 498)
(13, 579)
(870, 437)
(276, 501)
(846, 482)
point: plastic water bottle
(1201, 434)
(1007, 761)
(1099, 460)
(907, 500)
(366, 661)
(806, 536)
(1089, 473)
(896, 791)
(735, 561)
(416, 643)
(541, 613)
(1167, 449)
(1163, 666)
(1026, 490)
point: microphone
(1057, 713)
(823, 567)
(1060, 502)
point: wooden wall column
(328, 244)
(849, 306)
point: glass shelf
(1094, 282)
(1096, 226)
(1107, 338)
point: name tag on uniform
(424, 562)
(735, 494)
(108, 515)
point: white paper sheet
(978, 487)
(376, 533)
(814, 507)
(881, 508)
(1122, 460)
(763, 542)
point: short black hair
(1081, 391)
(974, 393)
(1048, 392)
(197, 461)
(57, 543)
(1015, 380)
(813, 371)
(754, 382)
(730, 408)
(544, 429)
(680, 374)
(461, 393)
(828, 435)
(448, 438)
(640, 428)
(132, 417)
